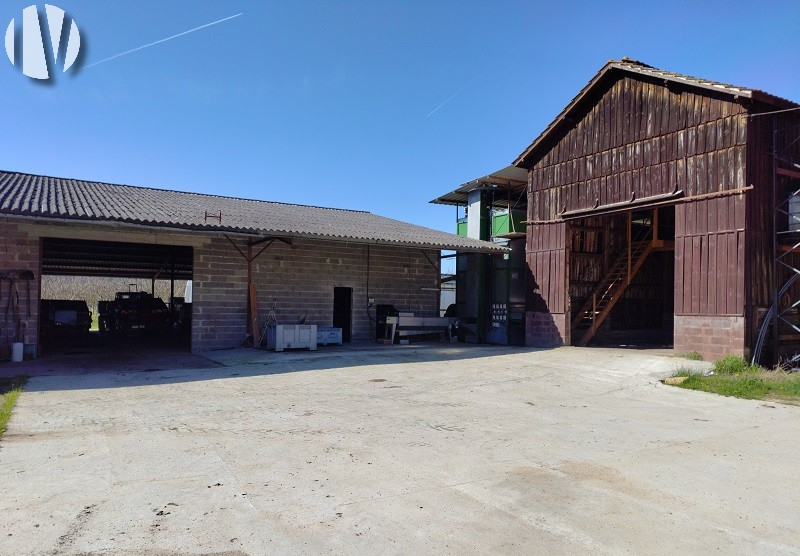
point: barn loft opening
(621, 278)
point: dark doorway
(133, 294)
(343, 311)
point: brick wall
(545, 329)
(301, 278)
(711, 336)
(19, 250)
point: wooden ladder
(610, 289)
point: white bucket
(17, 350)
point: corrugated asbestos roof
(632, 66)
(42, 198)
(510, 179)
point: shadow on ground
(130, 367)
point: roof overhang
(463, 245)
(508, 184)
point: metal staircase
(601, 301)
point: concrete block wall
(301, 278)
(545, 329)
(713, 337)
(219, 296)
(19, 250)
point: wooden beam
(630, 242)
(236, 247)
(655, 224)
(587, 255)
(788, 173)
(663, 245)
(254, 325)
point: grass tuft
(693, 356)
(733, 364)
(733, 376)
(10, 389)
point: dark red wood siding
(645, 139)
(709, 256)
(547, 261)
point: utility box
(292, 336)
(794, 213)
(329, 335)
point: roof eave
(478, 247)
(521, 160)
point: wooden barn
(662, 211)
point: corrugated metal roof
(510, 179)
(632, 66)
(43, 198)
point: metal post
(630, 231)
(172, 283)
(775, 320)
(249, 258)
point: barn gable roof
(48, 198)
(612, 70)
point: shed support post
(605, 244)
(655, 224)
(249, 257)
(630, 229)
(249, 328)
(172, 284)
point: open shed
(328, 266)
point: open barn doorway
(622, 278)
(115, 297)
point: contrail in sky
(164, 40)
(454, 95)
(502, 66)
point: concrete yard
(435, 449)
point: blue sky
(330, 102)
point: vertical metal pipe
(775, 320)
(172, 282)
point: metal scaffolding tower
(781, 322)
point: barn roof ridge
(631, 66)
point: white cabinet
(292, 336)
